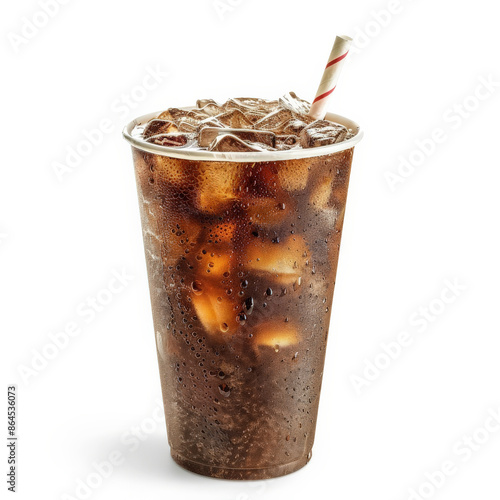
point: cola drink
(242, 250)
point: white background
(61, 239)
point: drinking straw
(330, 76)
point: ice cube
(239, 103)
(209, 134)
(293, 103)
(179, 235)
(229, 142)
(212, 109)
(294, 126)
(321, 133)
(216, 256)
(221, 233)
(321, 194)
(266, 106)
(215, 309)
(217, 260)
(267, 212)
(262, 181)
(201, 103)
(286, 141)
(284, 261)
(234, 119)
(274, 121)
(218, 184)
(175, 139)
(244, 103)
(210, 122)
(293, 175)
(187, 124)
(198, 114)
(253, 109)
(155, 127)
(174, 114)
(276, 334)
(165, 115)
(254, 116)
(161, 169)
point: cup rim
(242, 157)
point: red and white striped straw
(330, 76)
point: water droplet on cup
(196, 286)
(224, 390)
(249, 305)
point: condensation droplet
(224, 390)
(249, 303)
(196, 286)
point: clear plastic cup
(242, 252)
